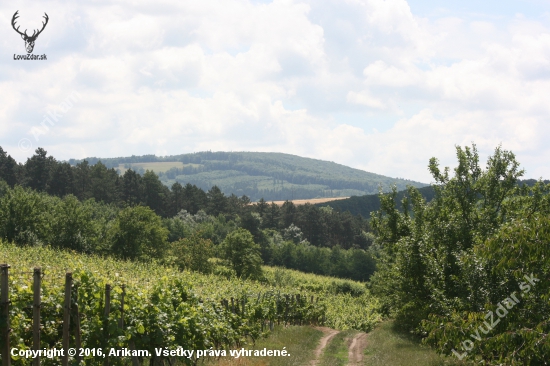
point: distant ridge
(268, 175)
(364, 205)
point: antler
(43, 24)
(34, 34)
(15, 16)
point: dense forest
(365, 205)
(272, 176)
(91, 208)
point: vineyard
(151, 307)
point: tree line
(135, 216)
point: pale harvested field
(311, 200)
(157, 167)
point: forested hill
(364, 205)
(272, 176)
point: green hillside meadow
(272, 176)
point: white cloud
(365, 98)
(304, 77)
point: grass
(300, 343)
(388, 346)
(336, 352)
(157, 167)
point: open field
(313, 201)
(157, 167)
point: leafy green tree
(243, 254)
(72, 226)
(293, 233)
(25, 216)
(138, 233)
(446, 263)
(518, 254)
(192, 253)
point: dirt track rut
(355, 351)
(329, 334)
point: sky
(378, 85)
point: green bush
(242, 254)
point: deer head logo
(29, 40)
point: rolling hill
(364, 205)
(272, 176)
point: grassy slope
(273, 176)
(300, 342)
(387, 346)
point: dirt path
(329, 334)
(355, 352)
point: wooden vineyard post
(5, 300)
(77, 339)
(135, 361)
(122, 306)
(37, 280)
(286, 309)
(271, 323)
(67, 317)
(323, 313)
(106, 320)
(278, 302)
(232, 306)
(293, 310)
(311, 320)
(299, 318)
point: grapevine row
(168, 314)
